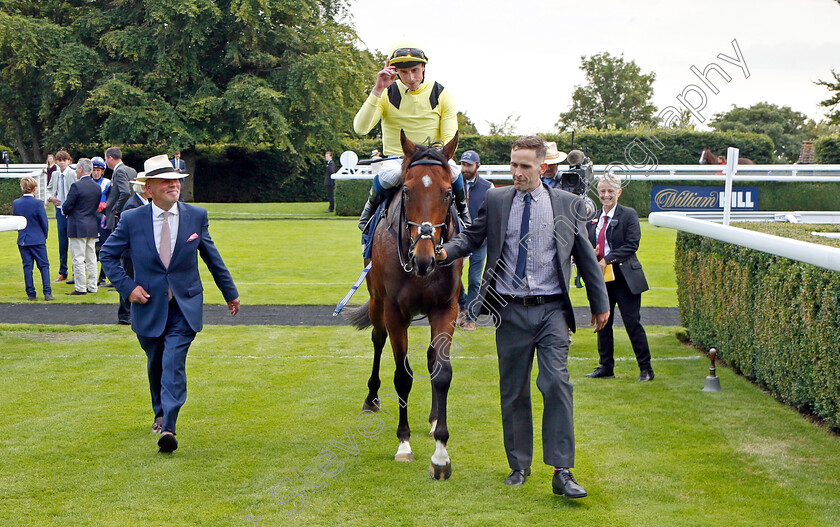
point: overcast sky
(509, 57)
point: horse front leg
(397, 326)
(378, 336)
(443, 325)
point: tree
(506, 127)
(284, 72)
(785, 127)
(616, 95)
(465, 125)
(833, 102)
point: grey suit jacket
(69, 179)
(119, 193)
(570, 238)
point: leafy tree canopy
(617, 94)
(177, 73)
(785, 127)
(465, 124)
(833, 102)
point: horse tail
(359, 316)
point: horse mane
(433, 150)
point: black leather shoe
(517, 477)
(76, 293)
(601, 373)
(646, 375)
(167, 443)
(124, 322)
(564, 483)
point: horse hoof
(440, 473)
(404, 457)
(369, 407)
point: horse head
(427, 198)
(708, 158)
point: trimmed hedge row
(9, 191)
(607, 146)
(774, 320)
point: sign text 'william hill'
(694, 199)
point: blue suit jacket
(135, 232)
(37, 227)
(80, 207)
(179, 164)
(477, 194)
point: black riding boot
(370, 207)
(463, 210)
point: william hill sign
(695, 199)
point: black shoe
(167, 443)
(49, 298)
(32, 298)
(328, 210)
(70, 282)
(646, 375)
(517, 477)
(564, 482)
(124, 322)
(601, 373)
(75, 293)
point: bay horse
(405, 280)
(708, 158)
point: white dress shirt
(157, 225)
(601, 225)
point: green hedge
(9, 191)
(772, 319)
(9, 187)
(827, 150)
(609, 146)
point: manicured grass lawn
(307, 261)
(264, 402)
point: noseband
(425, 229)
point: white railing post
(731, 168)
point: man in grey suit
(120, 187)
(532, 232)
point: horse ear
(407, 146)
(451, 146)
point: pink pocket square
(192, 237)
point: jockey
(404, 99)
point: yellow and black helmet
(406, 55)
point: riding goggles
(401, 55)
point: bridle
(425, 229)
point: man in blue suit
(165, 238)
(32, 240)
(178, 163)
(81, 210)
